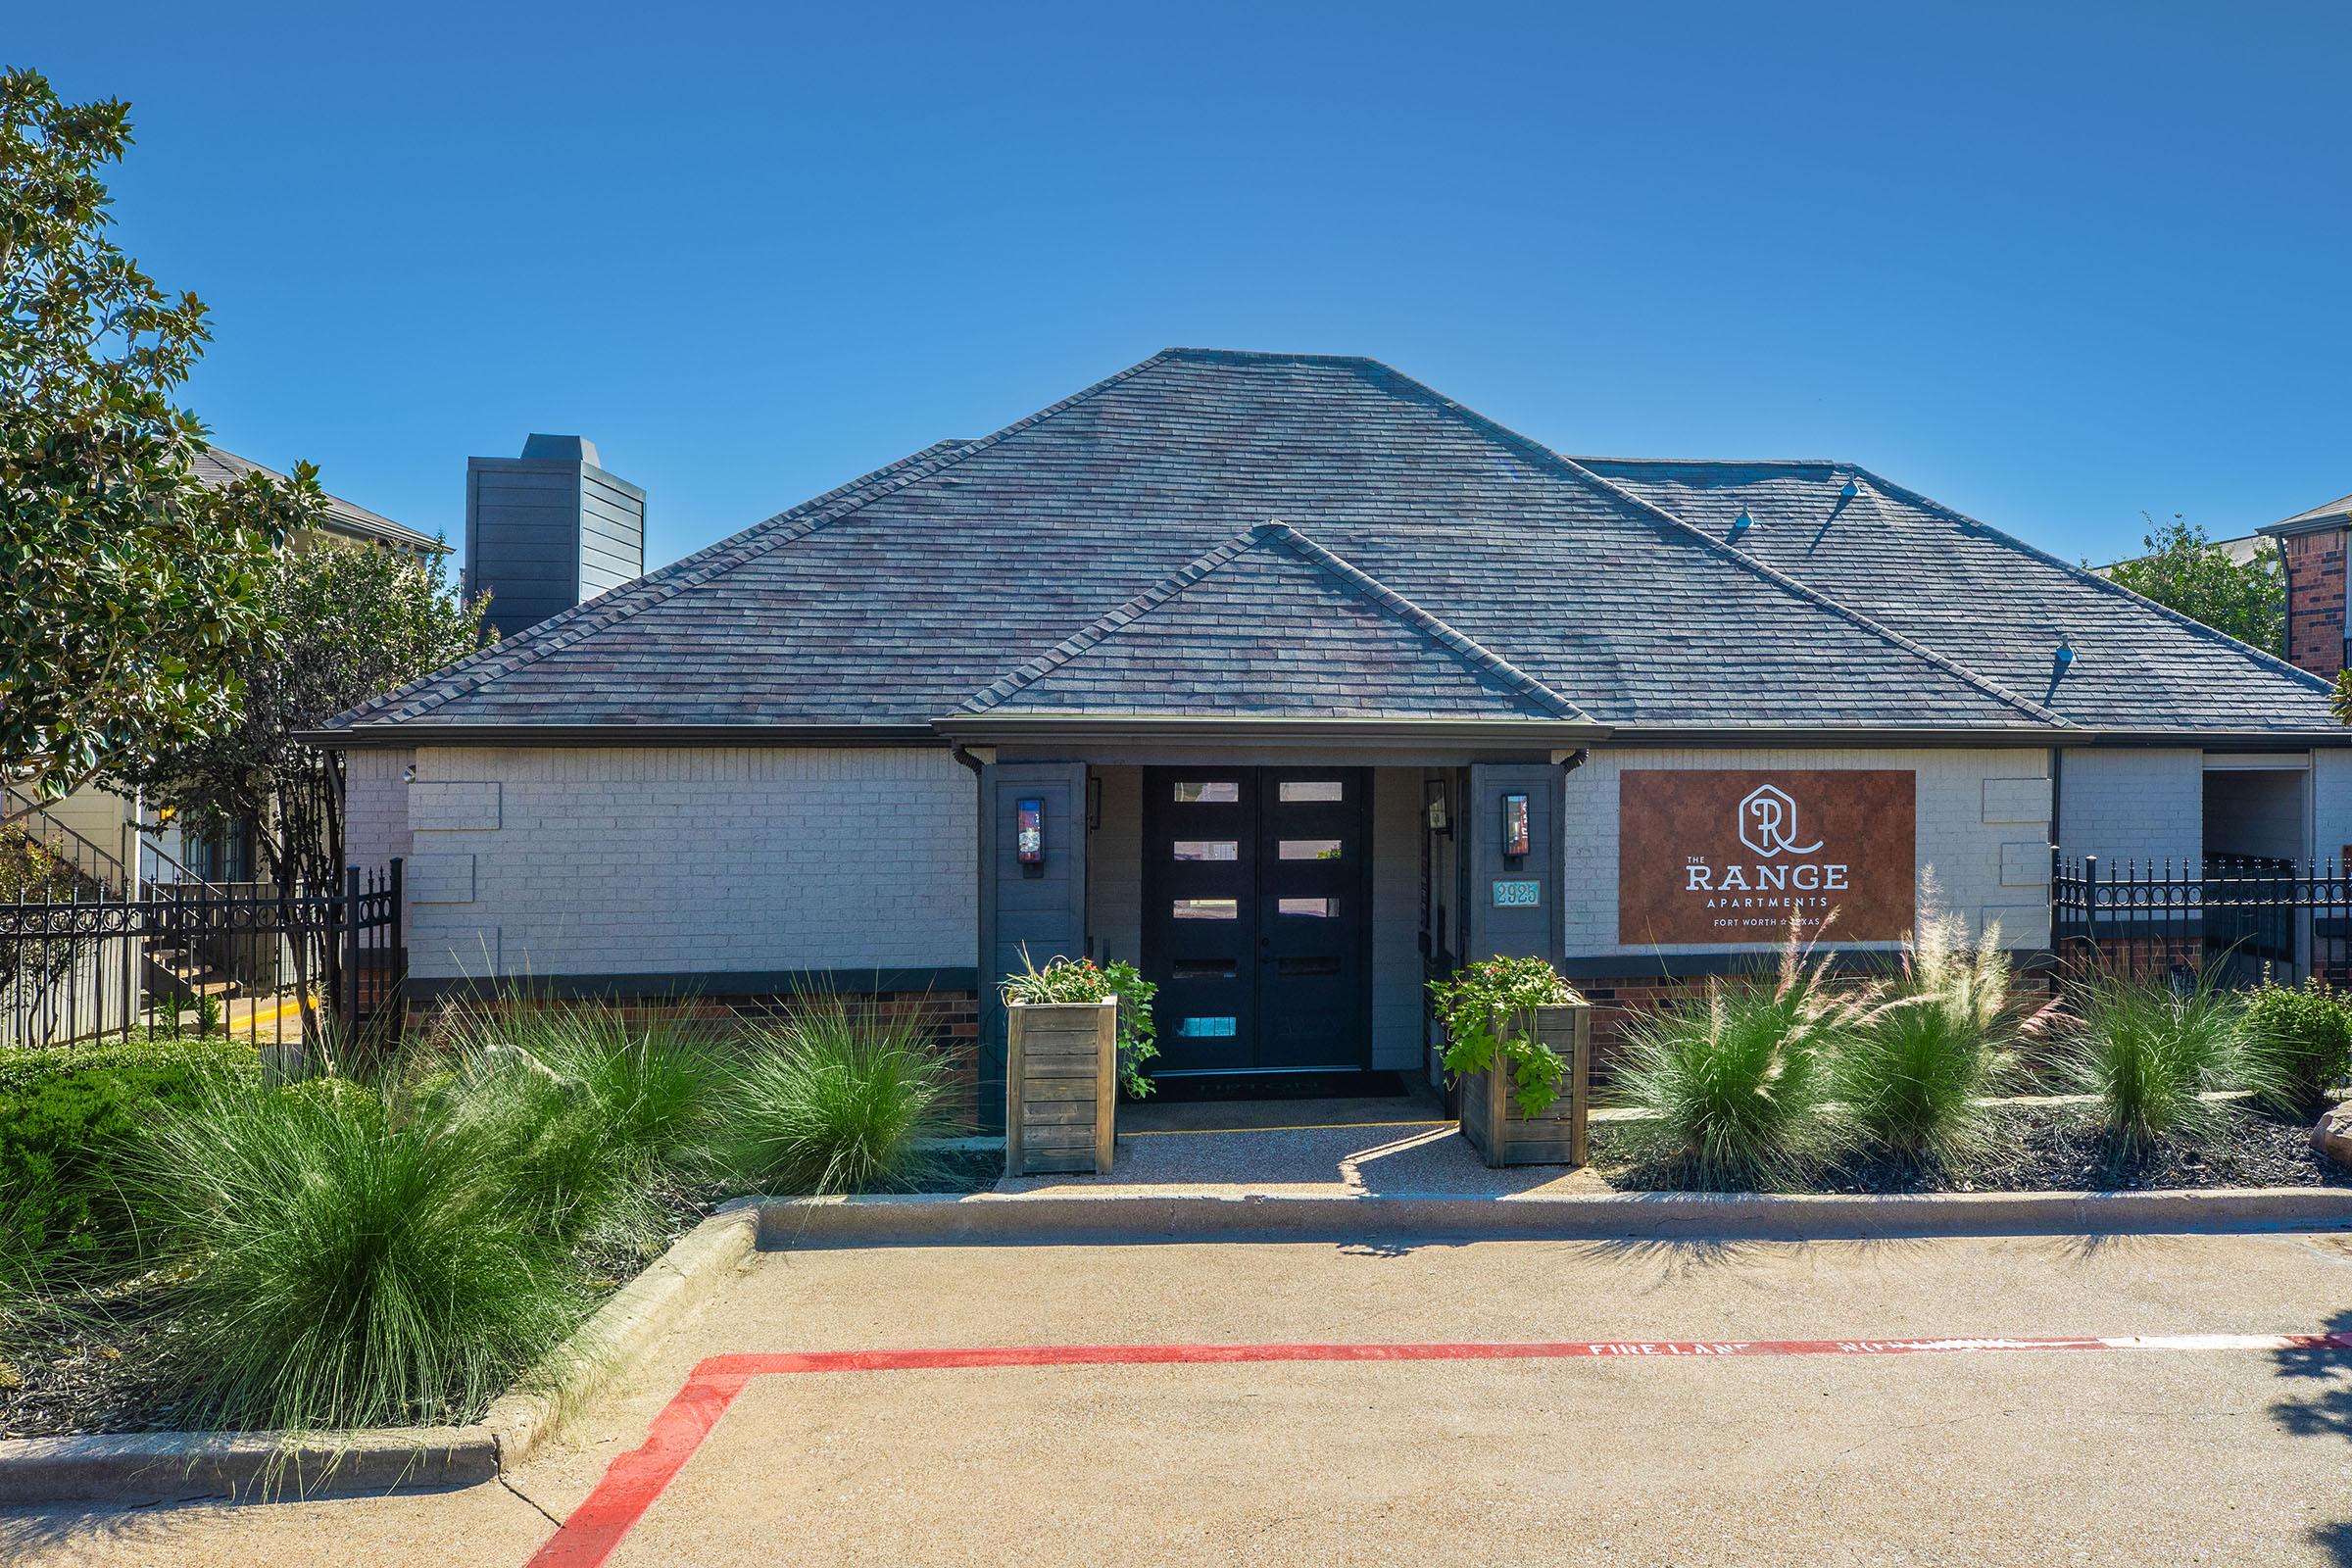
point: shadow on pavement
(2323, 1411)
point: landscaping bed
(192, 1245)
(2027, 1148)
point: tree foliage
(130, 592)
(2185, 571)
(350, 620)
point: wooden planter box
(1061, 1086)
(1491, 1116)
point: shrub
(1735, 1080)
(1909, 1073)
(1467, 1004)
(1084, 980)
(68, 1119)
(835, 1100)
(343, 1269)
(586, 1114)
(2304, 1038)
(2150, 1055)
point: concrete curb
(1047, 1220)
(273, 1466)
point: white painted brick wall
(700, 860)
(2129, 804)
(375, 810)
(2331, 802)
(1975, 868)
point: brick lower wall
(951, 1018)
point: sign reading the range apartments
(1729, 856)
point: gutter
(371, 735)
(1339, 734)
(1334, 733)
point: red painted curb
(589, 1538)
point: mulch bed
(2036, 1148)
(104, 1373)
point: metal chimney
(549, 530)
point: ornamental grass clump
(1736, 1081)
(1910, 1073)
(2153, 1055)
(841, 1098)
(590, 1117)
(344, 1265)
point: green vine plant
(1481, 1006)
(1084, 980)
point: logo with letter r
(1768, 823)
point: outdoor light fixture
(1514, 825)
(1434, 794)
(1741, 523)
(1029, 815)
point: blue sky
(2052, 264)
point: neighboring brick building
(2313, 545)
(1296, 682)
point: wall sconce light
(1514, 825)
(1029, 841)
(1434, 794)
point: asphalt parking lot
(2223, 1444)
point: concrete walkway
(1301, 1149)
(2021, 1458)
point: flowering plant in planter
(1479, 1005)
(1084, 980)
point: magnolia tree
(132, 595)
(350, 621)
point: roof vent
(2065, 657)
(1740, 524)
(1850, 491)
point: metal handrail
(77, 851)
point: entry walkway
(1338, 1148)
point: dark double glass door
(1257, 917)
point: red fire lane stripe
(589, 1538)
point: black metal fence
(2236, 919)
(249, 961)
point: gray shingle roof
(1004, 565)
(218, 469)
(2333, 515)
(1270, 625)
(1991, 602)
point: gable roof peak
(1275, 538)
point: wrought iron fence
(2236, 919)
(273, 965)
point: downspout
(984, 933)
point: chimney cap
(559, 449)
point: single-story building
(1295, 682)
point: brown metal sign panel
(1729, 855)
